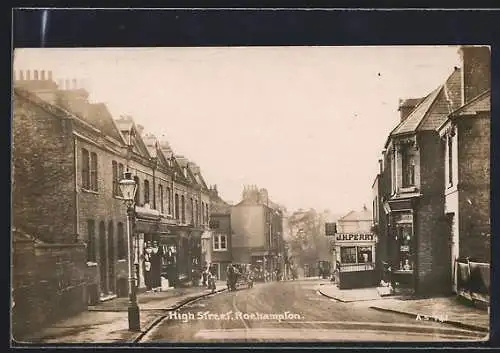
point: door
(111, 258)
(454, 247)
(103, 268)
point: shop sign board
(354, 237)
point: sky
(306, 123)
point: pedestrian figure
(156, 267)
(148, 250)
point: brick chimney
(74, 97)
(406, 106)
(476, 71)
(37, 82)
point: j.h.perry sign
(354, 237)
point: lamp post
(128, 188)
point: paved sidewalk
(108, 321)
(443, 309)
(348, 295)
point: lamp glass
(128, 187)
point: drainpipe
(77, 216)
(155, 163)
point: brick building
(257, 226)
(68, 157)
(416, 236)
(466, 144)
(219, 246)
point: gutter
(77, 216)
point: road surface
(292, 311)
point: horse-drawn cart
(241, 277)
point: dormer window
(185, 172)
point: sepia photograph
(250, 194)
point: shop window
(364, 254)
(404, 239)
(348, 254)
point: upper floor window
(393, 171)
(89, 170)
(214, 224)
(220, 242)
(202, 212)
(116, 177)
(137, 197)
(160, 192)
(197, 212)
(169, 201)
(85, 169)
(176, 205)
(191, 204)
(450, 160)
(146, 191)
(408, 166)
(183, 209)
(120, 177)
(93, 171)
(207, 214)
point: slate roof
(219, 206)
(33, 98)
(478, 104)
(100, 117)
(434, 108)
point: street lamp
(128, 187)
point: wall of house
(433, 259)
(361, 226)
(224, 227)
(42, 173)
(474, 186)
(248, 223)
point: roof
(100, 117)
(353, 216)
(33, 98)
(481, 103)
(219, 206)
(434, 108)
(410, 102)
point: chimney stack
(380, 166)
(49, 75)
(476, 71)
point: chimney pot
(35, 73)
(66, 84)
(75, 83)
(49, 75)
(21, 75)
(42, 75)
(28, 75)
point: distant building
(218, 247)
(257, 225)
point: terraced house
(421, 193)
(69, 218)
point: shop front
(355, 260)
(156, 250)
(402, 245)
